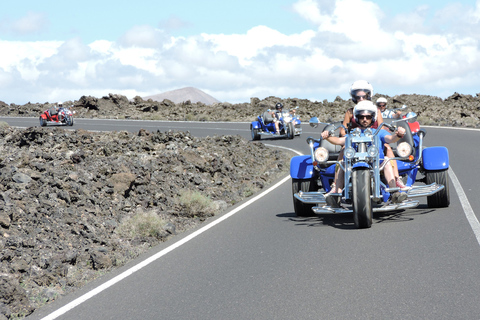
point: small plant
(196, 204)
(248, 191)
(203, 117)
(142, 224)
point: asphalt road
(260, 261)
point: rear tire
(303, 209)
(255, 135)
(441, 199)
(362, 202)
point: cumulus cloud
(174, 23)
(143, 36)
(424, 52)
(31, 23)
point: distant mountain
(184, 94)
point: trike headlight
(321, 154)
(372, 151)
(349, 153)
(404, 149)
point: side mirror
(411, 117)
(314, 122)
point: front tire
(43, 122)
(290, 130)
(69, 121)
(362, 202)
(441, 199)
(303, 209)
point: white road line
(160, 254)
(467, 208)
(472, 219)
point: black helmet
(278, 106)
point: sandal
(399, 183)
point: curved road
(259, 261)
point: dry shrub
(142, 224)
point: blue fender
(256, 125)
(301, 167)
(360, 165)
(435, 158)
(327, 177)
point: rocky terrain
(457, 110)
(75, 204)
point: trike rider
(277, 114)
(365, 114)
(359, 91)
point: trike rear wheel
(305, 185)
(441, 199)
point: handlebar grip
(390, 127)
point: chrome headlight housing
(349, 153)
(356, 132)
(372, 151)
(368, 132)
(321, 154)
(404, 149)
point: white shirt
(388, 114)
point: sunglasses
(365, 116)
(381, 105)
(364, 97)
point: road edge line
(467, 208)
(69, 306)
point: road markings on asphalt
(467, 208)
(69, 306)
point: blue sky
(234, 50)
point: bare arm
(397, 135)
(346, 121)
(334, 140)
(379, 117)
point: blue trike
(366, 190)
(289, 125)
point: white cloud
(476, 13)
(33, 22)
(174, 23)
(249, 45)
(143, 36)
(351, 39)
